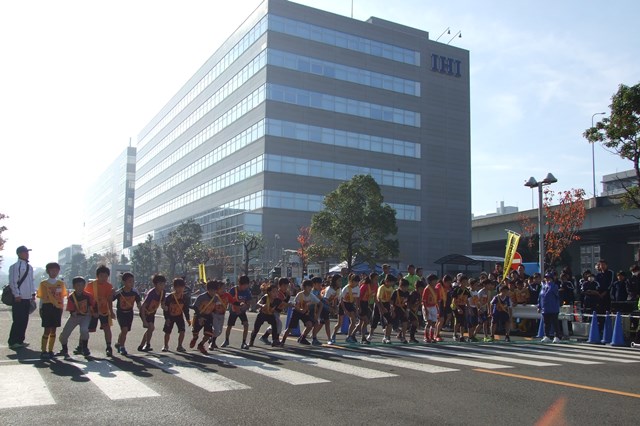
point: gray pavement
(448, 383)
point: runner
(125, 298)
(176, 311)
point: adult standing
(549, 306)
(24, 291)
(605, 278)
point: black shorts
(400, 317)
(104, 322)
(205, 322)
(233, 316)
(297, 316)
(413, 316)
(365, 311)
(324, 315)
(472, 316)
(125, 319)
(169, 321)
(349, 307)
(51, 316)
(500, 317)
(460, 316)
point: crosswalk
(28, 383)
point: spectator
(618, 291)
(605, 279)
(589, 290)
(549, 306)
(633, 284)
(24, 292)
(566, 289)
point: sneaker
(438, 339)
(556, 340)
(333, 337)
(117, 346)
(456, 338)
(64, 353)
(275, 343)
(365, 342)
(404, 341)
(545, 339)
(123, 351)
(44, 356)
(386, 341)
(165, 349)
(303, 341)
(109, 351)
(180, 349)
(86, 352)
(265, 340)
(507, 338)
(487, 339)
(426, 340)
(51, 355)
(192, 343)
(413, 340)
(330, 342)
(473, 339)
(147, 348)
(225, 343)
(140, 348)
(244, 346)
(202, 349)
(462, 339)
(316, 342)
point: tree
(92, 264)
(145, 259)
(619, 133)
(354, 221)
(252, 244)
(178, 242)
(2, 229)
(78, 266)
(563, 221)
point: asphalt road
(450, 383)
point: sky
(79, 80)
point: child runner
(414, 306)
(444, 302)
(302, 302)
(382, 312)
(472, 309)
(81, 307)
(460, 295)
(203, 316)
(330, 298)
(176, 311)
(267, 306)
(399, 300)
(284, 297)
(221, 301)
(102, 292)
(242, 295)
(430, 309)
(51, 293)
(126, 297)
(501, 310)
(323, 309)
(366, 291)
(152, 301)
(483, 309)
(349, 302)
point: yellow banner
(202, 273)
(513, 238)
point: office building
(296, 101)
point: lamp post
(532, 183)
(593, 156)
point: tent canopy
(466, 260)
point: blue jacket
(549, 299)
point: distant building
(502, 209)
(108, 214)
(615, 183)
(296, 101)
(66, 254)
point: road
(445, 384)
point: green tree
(356, 222)
(145, 259)
(252, 245)
(178, 242)
(2, 229)
(619, 133)
(78, 266)
(92, 264)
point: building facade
(109, 206)
(297, 101)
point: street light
(532, 183)
(593, 156)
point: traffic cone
(618, 334)
(541, 328)
(594, 331)
(345, 325)
(607, 332)
(294, 331)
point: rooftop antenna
(458, 34)
(448, 31)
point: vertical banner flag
(513, 238)
(202, 273)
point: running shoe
(202, 349)
(316, 342)
(556, 340)
(225, 343)
(109, 351)
(545, 339)
(243, 346)
(180, 349)
(123, 351)
(265, 340)
(192, 343)
(303, 341)
(507, 338)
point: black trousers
(20, 316)
(551, 320)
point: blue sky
(84, 77)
